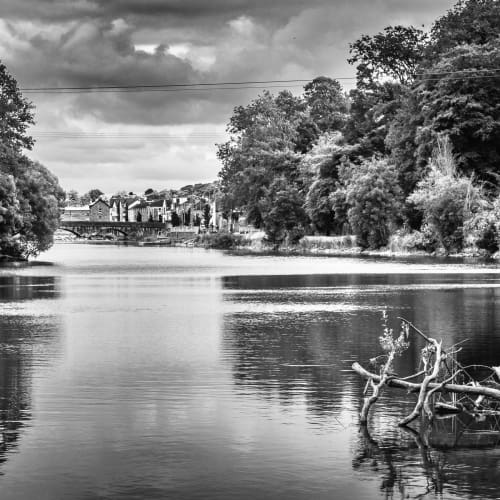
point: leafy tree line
(30, 195)
(413, 150)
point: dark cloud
(164, 11)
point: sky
(133, 141)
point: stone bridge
(82, 228)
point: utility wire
(163, 85)
(143, 90)
(193, 87)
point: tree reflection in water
(23, 336)
(454, 457)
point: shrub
(221, 241)
(448, 201)
(488, 239)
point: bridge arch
(78, 235)
(105, 230)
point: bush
(221, 241)
(488, 239)
(448, 201)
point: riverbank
(255, 244)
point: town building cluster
(173, 211)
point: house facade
(138, 211)
(99, 211)
(159, 211)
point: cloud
(79, 43)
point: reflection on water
(24, 340)
(13, 288)
(304, 353)
(182, 373)
(408, 466)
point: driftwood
(473, 390)
(441, 374)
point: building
(76, 213)
(119, 206)
(99, 210)
(138, 211)
(159, 211)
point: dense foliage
(30, 196)
(372, 162)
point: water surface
(131, 372)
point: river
(134, 373)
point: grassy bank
(399, 245)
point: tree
(206, 214)
(319, 169)
(186, 219)
(284, 217)
(16, 113)
(374, 199)
(94, 194)
(457, 97)
(39, 201)
(454, 101)
(73, 198)
(10, 215)
(395, 53)
(372, 113)
(326, 103)
(260, 150)
(30, 196)
(469, 22)
(176, 221)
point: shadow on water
(24, 341)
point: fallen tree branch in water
(474, 390)
(442, 375)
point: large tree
(386, 65)
(457, 97)
(30, 196)
(261, 149)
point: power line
(163, 86)
(130, 137)
(209, 86)
(148, 90)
